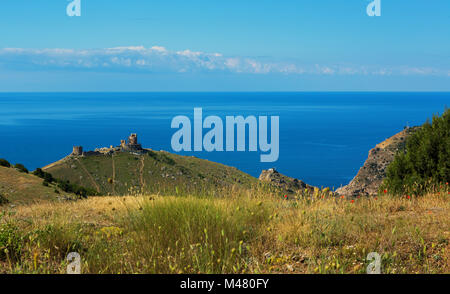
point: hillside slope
(18, 188)
(124, 173)
(371, 174)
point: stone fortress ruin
(131, 145)
(77, 151)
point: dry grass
(263, 234)
(335, 235)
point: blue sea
(324, 137)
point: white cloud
(159, 49)
(189, 53)
(159, 59)
(131, 48)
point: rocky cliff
(372, 173)
(290, 185)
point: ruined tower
(132, 144)
(77, 151)
(132, 139)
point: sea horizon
(324, 136)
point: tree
(425, 162)
(4, 162)
(44, 175)
(21, 168)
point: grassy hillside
(154, 172)
(22, 188)
(242, 234)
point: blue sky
(227, 45)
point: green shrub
(10, 242)
(21, 168)
(66, 186)
(83, 192)
(425, 162)
(44, 175)
(4, 162)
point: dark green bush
(44, 175)
(21, 168)
(4, 162)
(425, 162)
(83, 192)
(65, 186)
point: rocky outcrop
(372, 173)
(290, 185)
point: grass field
(249, 233)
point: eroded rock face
(286, 183)
(372, 173)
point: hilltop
(151, 172)
(131, 169)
